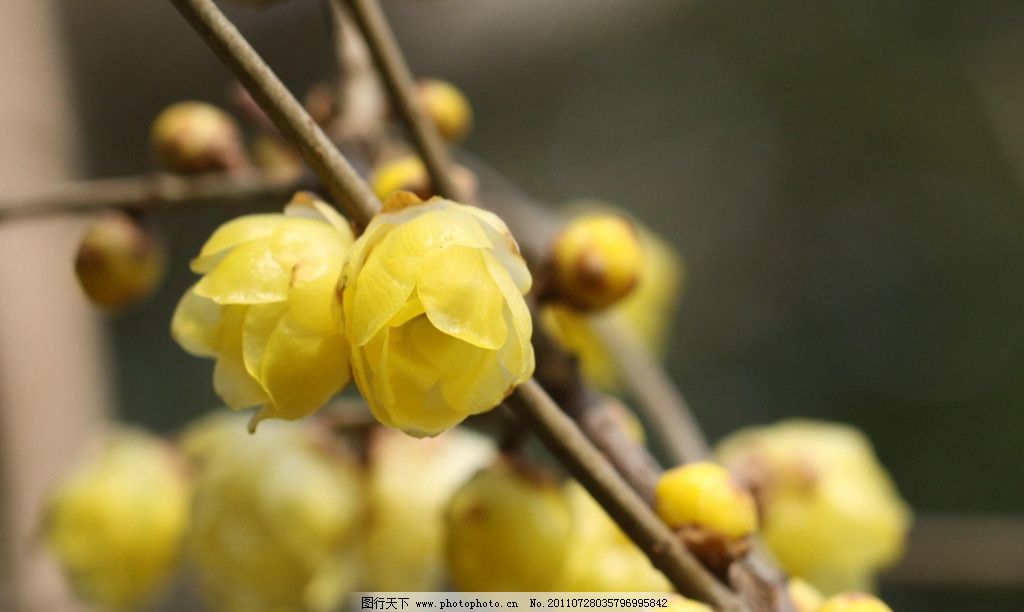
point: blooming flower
(267, 309)
(434, 309)
(116, 523)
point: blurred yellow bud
(829, 511)
(508, 530)
(647, 312)
(805, 597)
(267, 309)
(116, 522)
(409, 483)
(596, 261)
(120, 262)
(195, 137)
(678, 603)
(276, 158)
(448, 107)
(274, 517)
(704, 494)
(600, 557)
(854, 602)
(407, 173)
(434, 310)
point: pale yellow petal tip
(400, 200)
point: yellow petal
(231, 381)
(259, 324)
(196, 324)
(375, 296)
(233, 233)
(249, 274)
(461, 299)
(308, 205)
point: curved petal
(231, 381)
(461, 299)
(196, 324)
(233, 233)
(249, 274)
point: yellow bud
(195, 137)
(854, 602)
(434, 310)
(274, 517)
(267, 309)
(448, 107)
(508, 530)
(705, 495)
(120, 262)
(805, 597)
(830, 512)
(407, 173)
(409, 483)
(116, 522)
(596, 261)
(276, 158)
(678, 603)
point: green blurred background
(844, 179)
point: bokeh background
(844, 179)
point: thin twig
(148, 192)
(624, 505)
(650, 386)
(561, 434)
(400, 85)
(339, 177)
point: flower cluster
(427, 306)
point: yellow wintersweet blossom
(267, 309)
(704, 494)
(274, 517)
(116, 523)
(434, 311)
(646, 311)
(829, 511)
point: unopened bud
(276, 158)
(120, 262)
(448, 107)
(195, 137)
(407, 173)
(596, 261)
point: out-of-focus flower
(267, 309)
(120, 261)
(447, 106)
(276, 158)
(195, 137)
(854, 602)
(646, 312)
(407, 173)
(596, 260)
(600, 557)
(829, 511)
(508, 530)
(704, 494)
(409, 483)
(116, 522)
(434, 310)
(274, 517)
(804, 596)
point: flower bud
(120, 262)
(276, 158)
(268, 311)
(508, 530)
(116, 522)
(711, 511)
(829, 511)
(195, 137)
(434, 310)
(596, 261)
(407, 173)
(854, 602)
(409, 483)
(448, 107)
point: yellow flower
(830, 512)
(646, 311)
(267, 309)
(435, 314)
(274, 517)
(596, 261)
(116, 523)
(447, 106)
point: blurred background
(845, 181)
